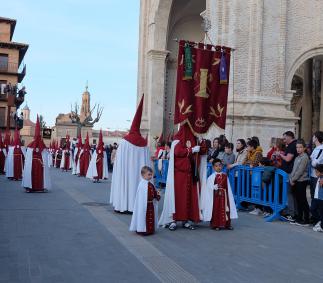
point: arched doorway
(306, 102)
(184, 23)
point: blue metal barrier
(247, 186)
(160, 175)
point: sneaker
(288, 218)
(317, 228)
(256, 211)
(302, 223)
(267, 214)
(317, 224)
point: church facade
(275, 72)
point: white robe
(50, 158)
(9, 166)
(126, 174)
(92, 170)
(26, 177)
(169, 199)
(74, 167)
(138, 220)
(63, 159)
(207, 199)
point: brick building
(12, 71)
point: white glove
(215, 187)
(196, 149)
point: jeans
(317, 210)
(313, 182)
(303, 209)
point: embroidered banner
(202, 85)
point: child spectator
(299, 180)
(145, 211)
(228, 157)
(266, 178)
(318, 200)
(218, 205)
(254, 154)
(275, 154)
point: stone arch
(316, 51)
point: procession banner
(202, 85)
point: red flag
(202, 100)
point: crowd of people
(302, 162)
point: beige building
(12, 70)
(64, 124)
(276, 69)
(28, 130)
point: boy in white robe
(218, 204)
(145, 214)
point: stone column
(321, 103)
(155, 90)
(306, 123)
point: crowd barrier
(247, 186)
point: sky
(75, 41)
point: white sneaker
(256, 211)
(317, 224)
(317, 228)
(266, 214)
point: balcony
(13, 68)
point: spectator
(288, 158)
(113, 154)
(228, 157)
(275, 152)
(298, 180)
(316, 158)
(254, 154)
(214, 150)
(267, 178)
(241, 153)
(318, 199)
(222, 142)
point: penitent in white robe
(92, 170)
(26, 177)
(126, 174)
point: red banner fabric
(202, 100)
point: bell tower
(85, 108)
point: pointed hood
(100, 143)
(6, 140)
(87, 142)
(134, 136)
(16, 141)
(185, 134)
(79, 141)
(37, 143)
(68, 143)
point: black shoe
(172, 226)
(302, 223)
(288, 218)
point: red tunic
(150, 214)
(84, 162)
(18, 163)
(37, 172)
(66, 161)
(221, 204)
(99, 166)
(185, 188)
(2, 161)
